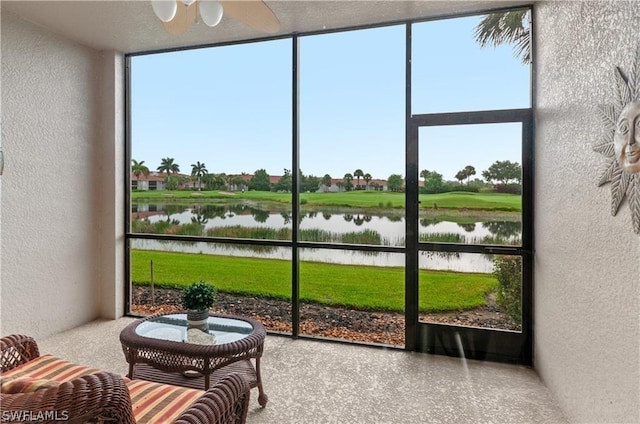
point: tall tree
(139, 168)
(469, 170)
(309, 183)
(348, 185)
(214, 181)
(424, 174)
(503, 171)
(326, 181)
(260, 181)
(461, 175)
(167, 165)
(507, 27)
(367, 179)
(285, 182)
(198, 170)
(395, 182)
(434, 183)
(358, 173)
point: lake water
(390, 227)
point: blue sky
(230, 107)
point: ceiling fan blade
(185, 16)
(256, 14)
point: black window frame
(418, 336)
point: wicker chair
(84, 395)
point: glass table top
(174, 327)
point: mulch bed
(320, 320)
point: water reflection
(469, 228)
(325, 226)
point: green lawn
(359, 287)
(485, 201)
(354, 199)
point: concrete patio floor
(311, 381)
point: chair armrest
(17, 349)
(228, 400)
(100, 397)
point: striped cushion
(48, 367)
(24, 385)
(152, 402)
(159, 403)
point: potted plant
(197, 299)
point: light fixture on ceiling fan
(178, 15)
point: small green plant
(508, 272)
(199, 296)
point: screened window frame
(413, 332)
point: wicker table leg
(130, 375)
(262, 397)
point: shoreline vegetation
(364, 237)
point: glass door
(469, 238)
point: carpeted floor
(311, 381)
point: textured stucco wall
(587, 263)
(50, 210)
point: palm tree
(198, 170)
(367, 179)
(469, 170)
(139, 168)
(358, 173)
(347, 181)
(424, 174)
(167, 165)
(507, 27)
(326, 181)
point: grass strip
(352, 199)
(354, 286)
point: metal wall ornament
(621, 142)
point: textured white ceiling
(131, 26)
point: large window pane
(362, 301)
(452, 73)
(480, 291)
(352, 136)
(251, 280)
(222, 117)
(471, 184)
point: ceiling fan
(178, 15)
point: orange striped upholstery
(48, 367)
(24, 385)
(159, 403)
(152, 402)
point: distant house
(337, 185)
(157, 181)
(153, 181)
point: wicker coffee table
(165, 349)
